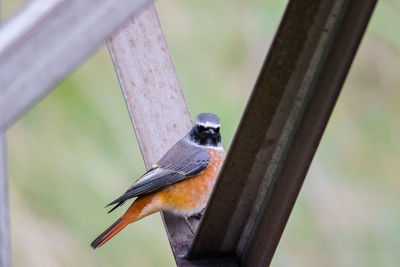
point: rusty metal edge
(282, 196)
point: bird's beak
(211, 131)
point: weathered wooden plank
(46, 41)
(5, 242)
(155, 102)
(281, 129)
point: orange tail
(114, 229)
(132, 214)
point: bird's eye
(201, 128)
(216, 130)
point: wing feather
(168, 171)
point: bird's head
(205, 131)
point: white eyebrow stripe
(208, 124)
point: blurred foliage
(76, 150)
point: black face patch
(206, 136)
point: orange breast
(191, 195)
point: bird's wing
(179, 163)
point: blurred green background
(76, 150)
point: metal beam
(280, 130)
(46, 41)
(155, 103)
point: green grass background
(76, 150)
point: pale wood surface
(150, 85)
(46, 41)
(155, 101)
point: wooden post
(154, 99)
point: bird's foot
(193, 220)
(198, 215)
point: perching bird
(180, 182)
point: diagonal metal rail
(280, 130)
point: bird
(180, 182)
